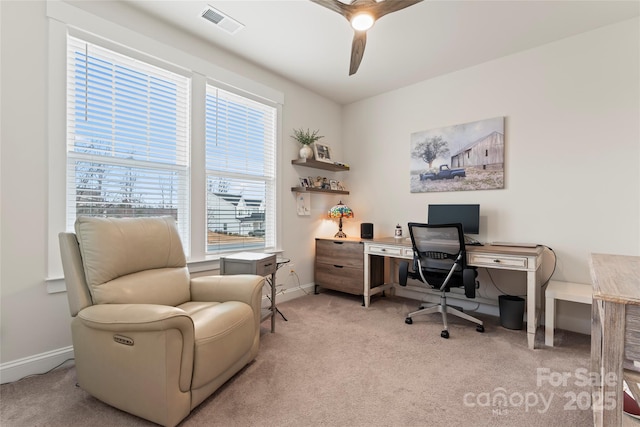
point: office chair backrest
(437, 247)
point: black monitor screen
(467, 215)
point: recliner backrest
(77, 290)
(133, 260)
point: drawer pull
(338, 266)
(338, 243)
(496, 260)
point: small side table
(280, 262)
(259, 264)
(566, 291)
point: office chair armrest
(469, 281)
(403, 273)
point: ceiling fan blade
(376, 9)
(357, 50)
(388, 6)
(336, 6)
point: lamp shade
(340, 211)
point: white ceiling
(311, 45)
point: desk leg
(532, 308)
(367, 281)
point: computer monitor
(467, 215)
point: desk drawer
(391, 251)
(266, 267)
(340, 278)
(496, 261)
(261, 267)
(345, 253)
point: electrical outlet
(292, 268)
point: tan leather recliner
(147, 338)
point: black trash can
(511, 311)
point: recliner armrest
(245, 288)
(238, 287)
(136, 317)
(139, 319)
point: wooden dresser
(340, 266)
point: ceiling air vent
(222, 21)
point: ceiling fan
(362, 14)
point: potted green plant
(306, 138)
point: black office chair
(440, 261)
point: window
(240, 171)
(127, 137)
(129, 144)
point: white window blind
(240, 163)
(127, 137)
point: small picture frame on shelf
(315, 182)
(322, 152)
(333, 185)
(341, 186)
(304, 182)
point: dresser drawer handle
(496, 260)
(338, 243)
(338, 266)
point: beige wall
(572, 146)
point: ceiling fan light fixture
(362, 21)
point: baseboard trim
(43, 362)
(293, 293)
(34, 365)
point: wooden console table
(615, 331)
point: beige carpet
(335, 363)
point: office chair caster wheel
(444, 334)
(480, 328)
(408, 321)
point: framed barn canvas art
(468, 156)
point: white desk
(488, 256)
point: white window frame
(141, 160)
(243, 172)
(65, 18)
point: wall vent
(222, 21)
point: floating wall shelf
(317, 190)
(319, 165)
